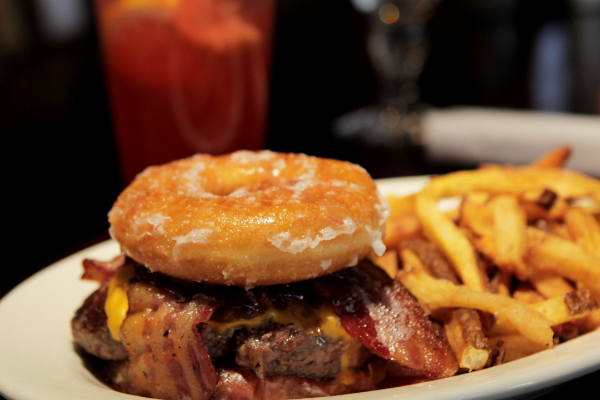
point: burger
(248, 276)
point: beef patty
(267, 349)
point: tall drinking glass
(185, 76)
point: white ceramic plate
(38, 362)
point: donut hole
(243, 173)
(220, 180)
(223, 188)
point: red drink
(185, 76)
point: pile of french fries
(513, 269)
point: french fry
(543, 204)
(571, 306)
(538, 223)
(527, 295)
(492, 180)
(588, 205)
(477, 217)
(502, 326)
(550, 253)
(584, 229)
(431, 257)
(549, 284)
(480, 198)
(566, 184)
(453, 214)
(509, 235)
(403, 221)
(556, 228)
(485, 245)
(559, 230)
(512, 180)
(466, 339)
(411, 262)
(498, 351)
(442, 293)
(557, 157)
(575, 306)
(455, 246)
(518, 346)
(388, 262)
(591, 323)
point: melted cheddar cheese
(116, 307)
(330, 326)
(116, 304)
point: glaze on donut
(250, 218)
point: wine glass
(398, 46)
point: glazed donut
(250, 218)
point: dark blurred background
(60, 159)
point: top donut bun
(250, 218)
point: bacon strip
(101, 271)
(167, 356)
(350, 305)
(381, 313)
